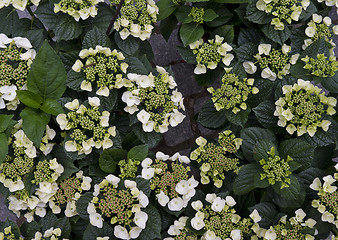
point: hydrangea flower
(197, 14)
(88, 125)
(303, 108)
(8, 234)
(119, 205)
(78, 9)
(282, 11)
(19, 4)
(155, 99)
(102, 67)
(137, 17)
(320, 27)
(276, 169)
(327, 202)
(321, 67)
(218, 219)
(180, 231)
(293, 228)
(273, 62)
(49, 234)
(233, 92)
(16, 56)
(210, 54)
(217, 159)
(170, 180)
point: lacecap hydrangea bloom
(170, 180)
(137, 17)
(209, 54)
(179, 230)
(8, 234)
(16, 56)
(88, 126)
(102, 67)
(19, 4)
(218, 219)
(283, 12)
(273, 62)
(120, 205)
(321, 66)
(327, 203)
(320, 27)
(217, 159)
(233, 92)
(78, 8)
(293, 228)
(155, 99)
(51, 233)
(303, 107)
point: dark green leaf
(151, 138)
(298, 150)
(209, 15)
(138, 153)
(231, 1)
(287, 80)
(308, 176)
(187, 54)
(129, 45)
(249, 178)
(291, 192)
(28, 230)
(48, 221)
(30, 99)
(137, 66)
(69, 58)
(255, 15)
(225, 15)
(108, 103)
(226, 31)
(267, 211)
(209, 77)
(34, 124)
(46, 15)
(67, 28)
(247, 35)
(250, 136)
(239, 118)
(104, 15)
(74, 80)
(182, 14)
(3, 147)
(95, 37)
(51, 106)
(153, 225)
(82, 204)
(64, 225)
(190, 32)
(166, 8)
(167, 26)
(109, 158)
(47, 76)
(93, 232)
(276, 35)
(331, 83)
(322, 138)
(261, 149)
(246, 52)
(9, 20)
(209, 117)
(265, 87)
(5, 121)
(67, 163)
(35, 36)
(143, 185)
(264, 113)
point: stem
(114, 17)
(31, 12)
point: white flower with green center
(87, 125)
(136, 18)
(303, 108)
(78, 9)
(154, 99)
(103, 69)
(320, 27)
(283, 12)
(210, 54)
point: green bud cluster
(330, 201)
(169, 175)
(135, 11)
(76, 5)
(13, 70)
(322, 30)
(321, 67)
(128, 168)
(185, 235)
(178, 2)
(116, 204)
(222, 223)
(67, 190)
(233, 93)
(22, 194)
(276, 60)
(7, 234)
(197, 14)
(276, 169)
(17, 165)
(42, 172)
(208, 52)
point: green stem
(32, 14)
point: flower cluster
(69, 192)
(19, 4)
(128, 168)
(321, 67)
(303, 108)
(276, 169)
(327, 203)
(136, 18)
(157, 97)
(170, 181)
(282, 11)
(180, 231)
(295, 228)
(78, 9)
(48, 234)
(89, 126)
(233, 92)
(120, 206)
(8, 234)
(318, 28)
(219, 220)
(217, 159)
(102, 68)
(197, 14)
(210, 54)
(273, 62)
(16, 56)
